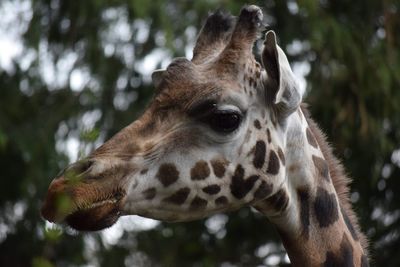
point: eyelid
(228, 107)
(202, 108)
(205, 108)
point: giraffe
(222, 132)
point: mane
(339, 178)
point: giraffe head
(211, 140)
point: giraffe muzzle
(80, 206)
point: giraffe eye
(223, 121)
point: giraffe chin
(98, 216)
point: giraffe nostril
(77, 168)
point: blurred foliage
(82, 76)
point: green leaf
(41, 262)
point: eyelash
(222, 120)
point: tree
(83, 72)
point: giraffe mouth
(96, 216)
(80, 211)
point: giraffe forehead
(185, 97)
(178, 93)
(185, 83)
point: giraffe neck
(315, 221)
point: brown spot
(259, 154)
(321, 166)
(263, 191)
(273, 164)
(269, 136)
(325, 208)
(303, 196)
(343, 257)
(311, 138)
(212, 189)
(167, 174)
(198, 203)
(281, 156)
(221, 201)
(240, 186)
(294, 167)
(219, 166)
(257, 124)
(178, 197)
(149, 193)
(200, 171)
(279, 201)
(144, 171)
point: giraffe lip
(111, 199)
(101, 203)
(98, 215)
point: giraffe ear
(270, 60)
(157, 77)
(281, 88)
